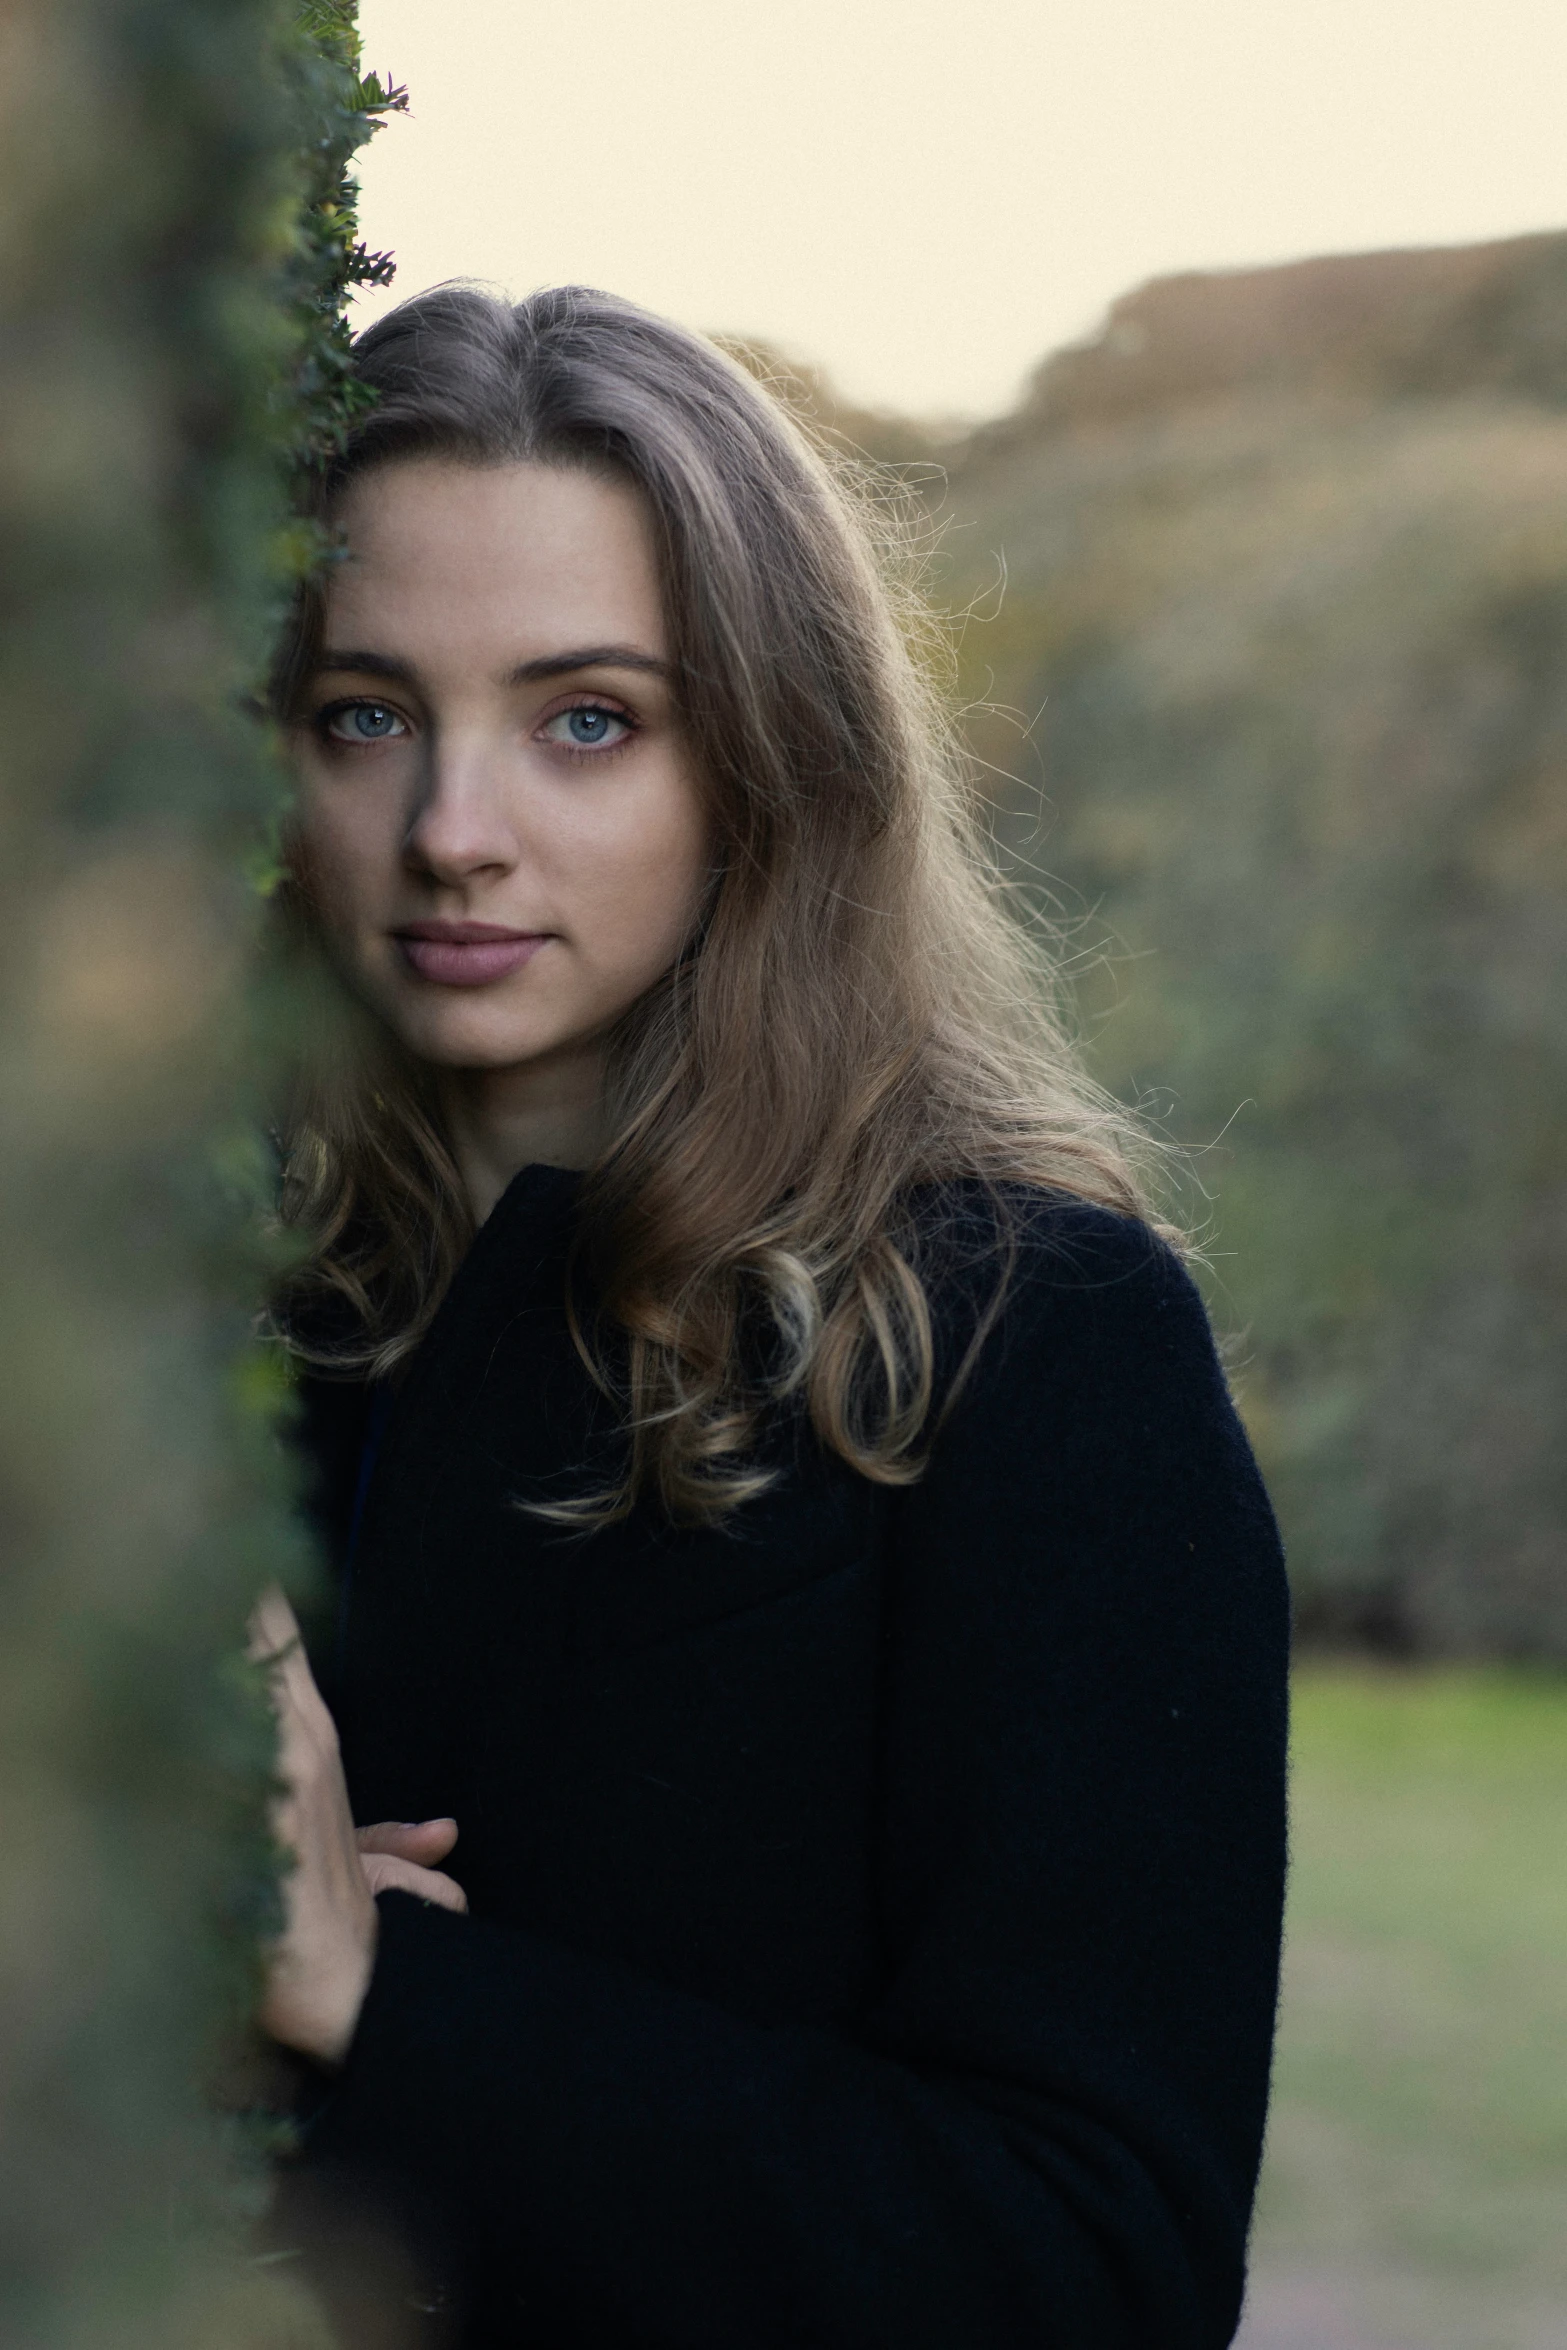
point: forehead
(518, 558)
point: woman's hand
(319, 1967)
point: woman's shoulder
(1080, 1291)
(1027, 1243)
(1081, 1360)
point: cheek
(645, 879)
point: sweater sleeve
(1047, 2131)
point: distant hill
(1273, 702)
(1437, 323)
(1441, 322)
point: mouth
(466, 954)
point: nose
(460, 827)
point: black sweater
(876, 1904)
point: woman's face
(498, 820)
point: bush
(1289, 660)
(179, 235)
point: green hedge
(178, 237)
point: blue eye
(591, 726)
(363, 722)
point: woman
(800, 1566)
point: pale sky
(925, 199)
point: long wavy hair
(860, 1021)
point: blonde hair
(860, 1018)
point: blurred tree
(176, 238)
(1277, 691)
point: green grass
(1419, 2138)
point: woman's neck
(546, 1113)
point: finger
(276, 1641)
(424, 1841)
(385, 1873)
(273, 1628)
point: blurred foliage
(176, 234)
(1266, 648)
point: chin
(463, 1038)
(468, 1044)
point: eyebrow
(366, 664)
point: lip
(466, 954)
